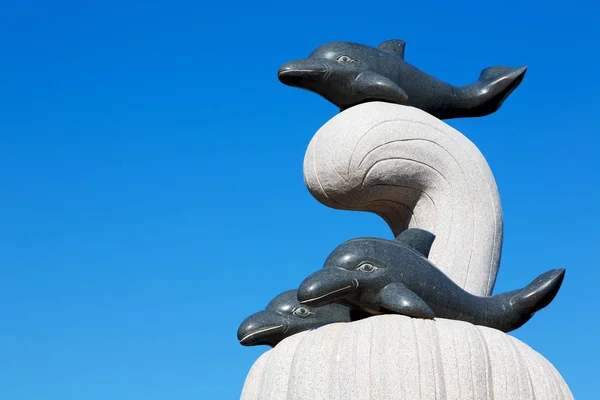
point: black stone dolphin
(348, 74)
(384, 276)
(285, 316)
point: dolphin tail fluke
(495, 84)
(539, 293)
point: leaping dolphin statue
(385, 276)
(348, 74)
(285, 316)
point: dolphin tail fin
(495, 84)
(539, 293)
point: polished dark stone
(348, 74)
(285, 316)
(384, 276)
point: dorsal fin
(417, 239)
(395, 47)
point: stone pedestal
(397, 357)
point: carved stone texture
(413, 170)
(396, 357)
(348, 74)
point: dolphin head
(285, 316)
(344, 73)
(352, 270)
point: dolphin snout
(294, 73)
(263, 327)
(326, 286)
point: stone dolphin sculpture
(385, 276)
(348, 74)
(285, 316)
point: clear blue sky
(151, 179)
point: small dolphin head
(285, 316)
(351, 270)
(344, 73)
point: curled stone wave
(413, 170)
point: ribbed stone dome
(397, 357)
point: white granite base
(397, 357)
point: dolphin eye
(301, 312)
(344, 60)
(366, 267)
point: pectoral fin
(398, 298)
(372, 86)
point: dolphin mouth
(264, 327)
(301, 72)
(251, 337)
(333, 293)
(297, 72)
